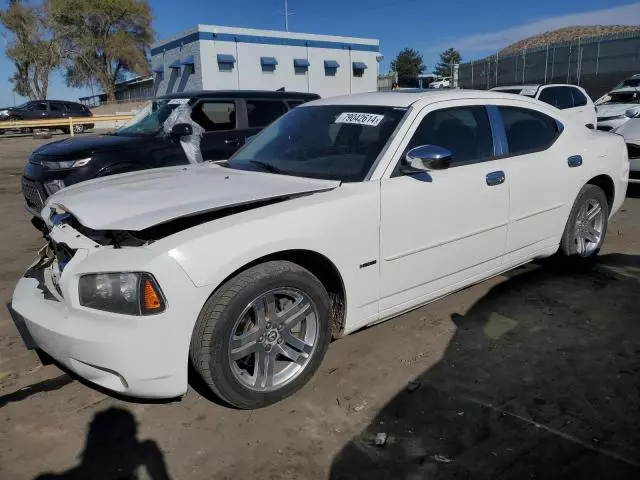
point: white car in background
(342, 213)
(570, 98)
(630, 131)
(618, 106)
(441, 83)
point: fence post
(71, 126)
(524, 63)
(497, 61)
(598, 57)
(546, 63)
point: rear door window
(215, 116)
(579, 99)
(58, 107)
(261, 113)
(559, 97)
(528, 130)
(38, 106)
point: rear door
(262, 112)
(58, 110)
(219, 118)
(539, 173)
(583, 107)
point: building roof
(264, 37)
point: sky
(475, 28)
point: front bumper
(135, 356)
(611, 124)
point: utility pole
(286, 15)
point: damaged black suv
(228, 118)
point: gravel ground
(532, 374)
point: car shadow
(541, 380)
(112, 451)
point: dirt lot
(533, 374)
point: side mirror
(181, 130)
(426, 158)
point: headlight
(128, 293)
(66, 164)
(53, 186)
(632, 113)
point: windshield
(332, 142)
(149, 120)
(623, 97)
(630, 82)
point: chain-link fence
(595, 63)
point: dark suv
(227, 117)
(47, 109)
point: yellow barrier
(64, 122)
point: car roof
(240, 94)
(407, 98)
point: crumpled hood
(138, 200)
(614, 109)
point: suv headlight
(632, 113)
(67, 164)
(128, 293)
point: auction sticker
(368, 119)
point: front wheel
(262, 335)
(587, 225)
(78, 128)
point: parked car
(343, 213)
(228, 118)
(444, 82)
(570, 98)
(617, 106)
(47, 109)
(630, 131)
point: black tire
(78, 129)
(569, 245)
(209, 349)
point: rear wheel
(587, 225)
(78, 128)
(262, 335)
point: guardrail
(63, 122)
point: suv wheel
(262, 335)
(79, 128)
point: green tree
(32, 47)
(448, 58)
(408, 65)
(103, 40)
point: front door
(219, 119)
(441, 229)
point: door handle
(495, 178)
(574, 161)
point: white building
(219, 58)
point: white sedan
(344, 212)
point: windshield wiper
(267, 166)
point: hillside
(567, 34)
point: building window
(300, 66)
(358, 68)
(188, 65)
(331, 68)
(225, 62)
(268, 64)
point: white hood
(614, 109)
(138, 200)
